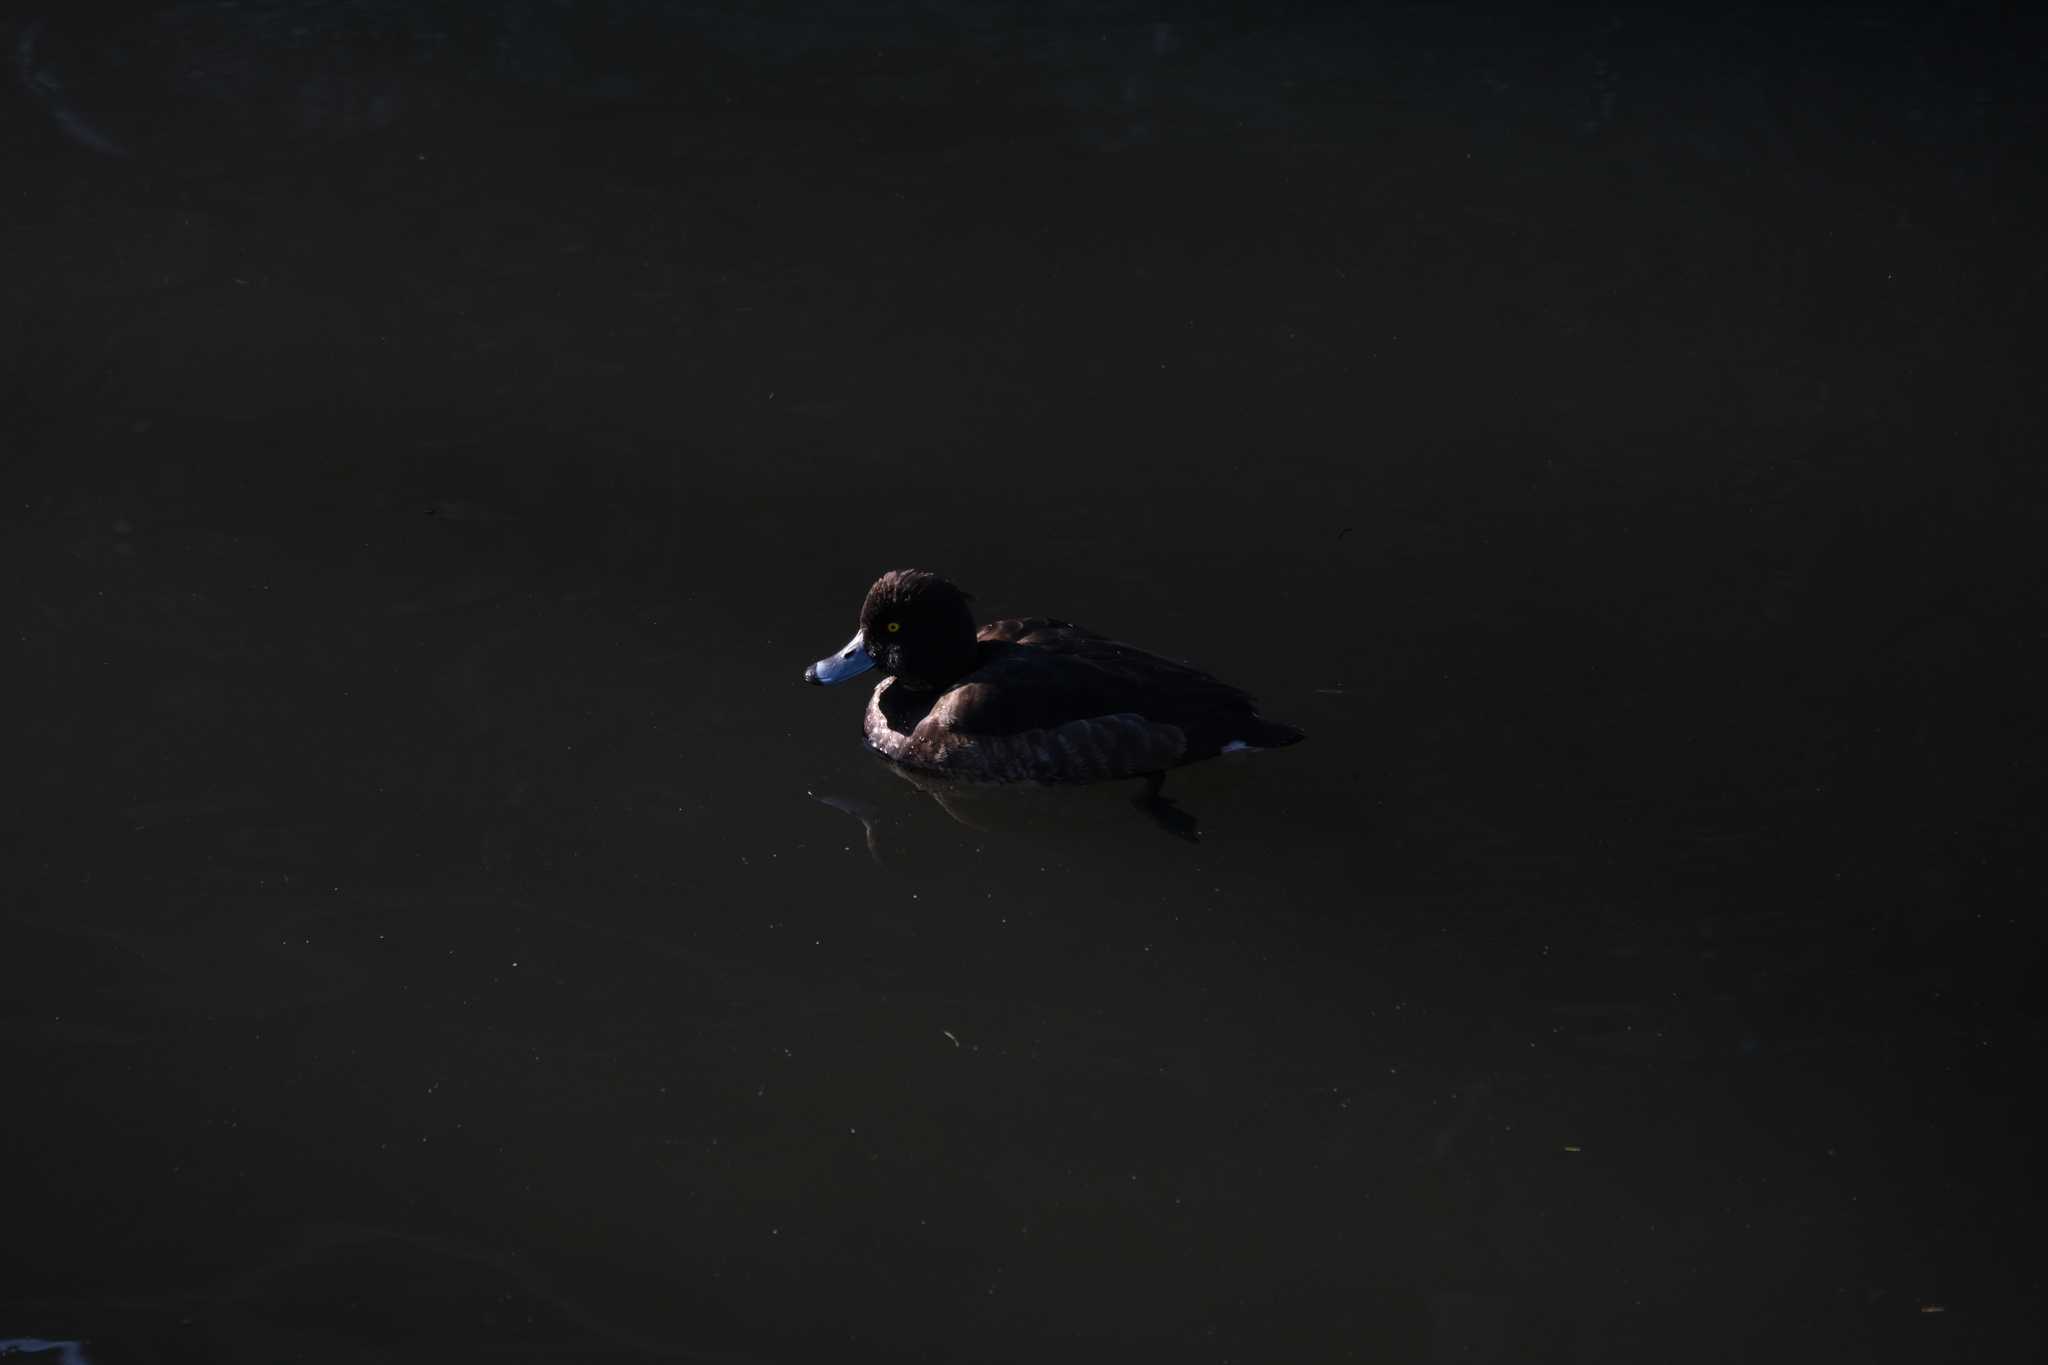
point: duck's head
(914, 625)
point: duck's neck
(938, 672)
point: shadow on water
(1055, 811)
(440, 926)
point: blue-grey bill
(849, 662)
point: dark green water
(438, 925)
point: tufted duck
(1030, 699)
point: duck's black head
(915, 626)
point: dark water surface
(442, 927)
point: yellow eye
(893, 627)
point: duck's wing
(1057, 673)
(1042, 632)
(1051, 676)
(1059, 656)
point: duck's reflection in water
(1017, 807)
